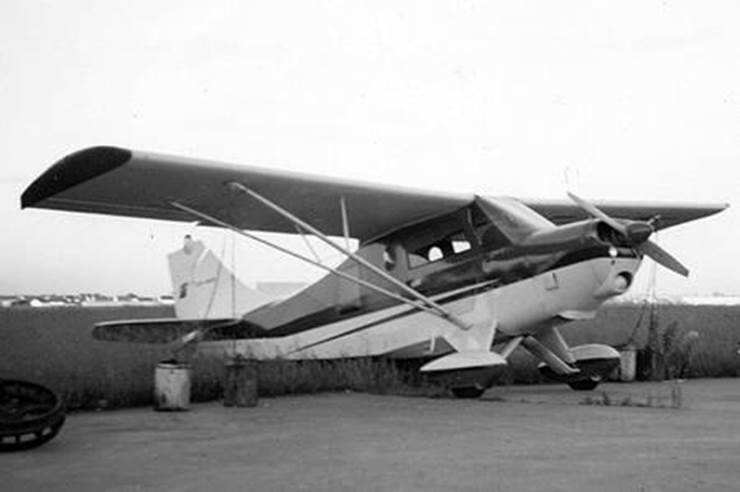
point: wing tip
(72, 170)
(714, 208)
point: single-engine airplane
(455, 279)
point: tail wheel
(30, 415)
(587, 384)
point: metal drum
(172, 386)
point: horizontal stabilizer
(168, 330)
(464, 360)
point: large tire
(468, 392)
(30, 415)
(585, 384)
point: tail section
(205, 289)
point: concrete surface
(515, 438)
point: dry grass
(653, 399)
(709, 352)
(53, 346)
(368, 375)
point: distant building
(166, 299)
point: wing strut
(442, 312)
(364, 283)
(345, 222)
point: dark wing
(668, 214)
(116, 181)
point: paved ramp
(517, 438)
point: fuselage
(462, 262)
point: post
(240, 382)
(627, 363)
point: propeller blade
(663, 257)
(637, 234)
(595, 212)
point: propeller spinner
(636, 234)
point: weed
(650, 400)
(627, 401)
(606, 401)
(54, 347)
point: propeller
(636, 234)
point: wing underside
(116, 181)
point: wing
(668, 214)
(115, 181)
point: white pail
(172, 386)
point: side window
(438, 250)
(435, 253)
(389, 257)
(460, 246)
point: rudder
(204, 288)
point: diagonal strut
(441, 311)
(364, 283)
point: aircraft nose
(616, 282)
(622, 282)
(615, 276)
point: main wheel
(30, 415)
(585, 384)
(468, 392)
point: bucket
(172, 386)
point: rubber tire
(589, 384)
(33, 424)
(468, 392)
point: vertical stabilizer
(204, 288)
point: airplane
(458, 281)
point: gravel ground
(514, 438)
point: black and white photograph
(450, 245)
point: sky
(633, 100)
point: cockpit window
(489, 234)
(513, 220)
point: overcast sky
(636, 100)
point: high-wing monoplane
(457, 280)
